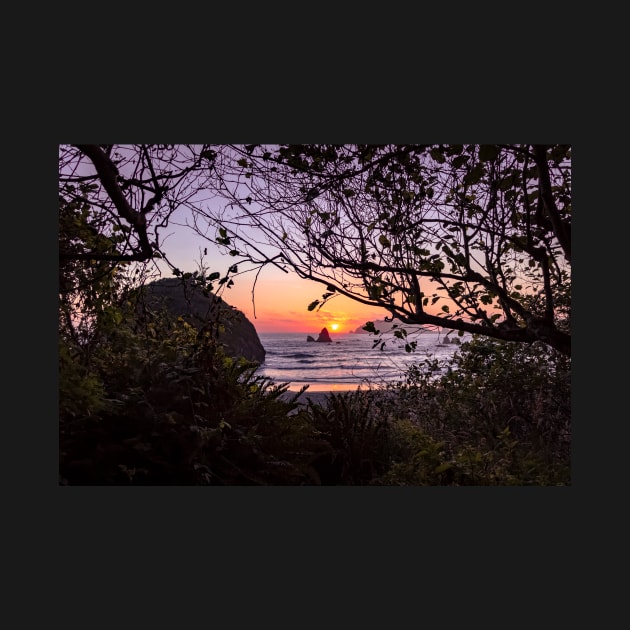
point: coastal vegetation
(161, 404)
(149, 396)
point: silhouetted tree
(474, 238)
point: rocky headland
(181, 298)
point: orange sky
(281, 299)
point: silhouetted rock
(324, 336)
(454, 340)
(238, 335)
(309, 338)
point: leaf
(507, 182)
(460, 160)
(437, 155)
(384, 241)
(443, 467)
(474, 175)
(488, 152)
(369, 327)
(313, 305)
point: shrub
(502, 411)
(357, 436)
(181, 412)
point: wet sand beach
(319, 392)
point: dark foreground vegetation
(157, 402)
(471, 238)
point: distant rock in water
(180, 298)
(454, 340)
(324, 336)
(309, 338)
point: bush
(503, 412)
(499, 416)
(357, 435)
(160, 403)
(181, 412)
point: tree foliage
(469, 230)
(130, 193)
(473, 238)
(115, 206)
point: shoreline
(319, 392)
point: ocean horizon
(350, 361)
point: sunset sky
(281, 299)
(272, 300)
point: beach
(318, 392)
(351, 361)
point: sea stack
(324, 336)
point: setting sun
(334, 326)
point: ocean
(349, 361)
